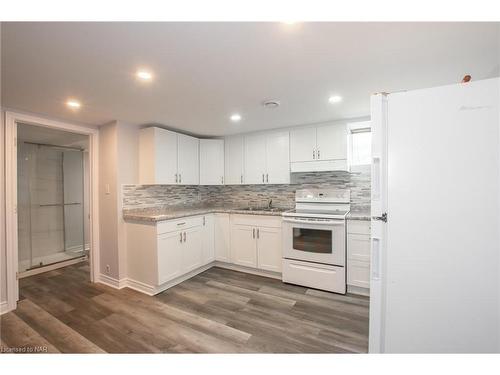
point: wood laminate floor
(218, 311)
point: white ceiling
(204, 72)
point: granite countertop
(359, 214)
(154, 214)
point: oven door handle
(313, 222)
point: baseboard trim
(253, 271)
(5, 308)
(358, 290)
(112, 282)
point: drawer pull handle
(180, 238)
(179, 224)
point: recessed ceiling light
(335, 99)
(235, 117)
(144, 75)
(73, 104)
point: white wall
(3, 268)
(118, 165)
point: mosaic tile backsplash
(142, 196)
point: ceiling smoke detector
(270, 104)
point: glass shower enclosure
(51, 213)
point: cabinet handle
(253, 232)
(184, 236)
(241, 179)
(180, 178)
(179, 224)
(318, 154)
(176, 178)
(263, 177)
(267, 177)
(203, 220)
(314, 154)
(258, 232)
(180, 240)
(222, 179)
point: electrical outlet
(108, 269)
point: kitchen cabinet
(211, 161)
(234, 151)
(191, 249)
(256, 242)
(169, 256)
(319, 148)
(358, 256)
(267, 158)
(208, 243)
(188, 160)
(244, 245)
(167, 157)
(222, 237)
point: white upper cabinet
(157, 156)
(211, 161)
(255, 159)
(331, 142)
(234, 151)
(167, 157)
(267, 158)
(278, 158)
(188, 160)
(319, 148)
(303, 144)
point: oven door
(314, 241)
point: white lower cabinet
(256, 242)
(358, 256)
(192, 249)
(169, 256)
(222, 237)
(208, 239)
(243, 245)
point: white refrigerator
(435, 263)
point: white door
(439, 273)
(269, 246)
(211, 161)
(332, 142)
(169, 256)
(278, 158)
(208, 242)
(303, 144)
(255, 159)
(222, 237)
(192, 249)
(234, 160)
(243, 245)
(188, 161)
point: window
(360, 143)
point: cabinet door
(269, 249)
(157, 156)
(358, 273)
(169, 256)
(358, 247)
(302, 144)
(188, 160)
(191, 249)
(211, 161)
(208, 241)
(255, 159)
(243, 245)
(222, 237)
(331, 142)
(234, 157)
(278, 158)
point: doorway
(52, 196)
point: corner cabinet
(267, 158)
(211, 161)
(168, 158)
(319, 148)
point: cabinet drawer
(358, 247)
(178, 224)
(358, 273)
(257, 220)
(359, 227)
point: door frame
(11, 121)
